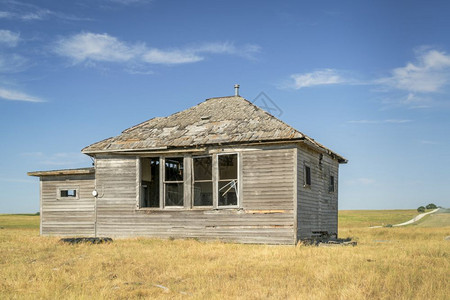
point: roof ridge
(273, 117)
(140, 124)
(175, 113)
(234, 96)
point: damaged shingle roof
(224, 120)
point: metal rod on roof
(236, 89)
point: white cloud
(15, 10)
(413, 85)
(85, 47)
(155, 56)
(319, 77)
(387, 121)
(96, 47)
(17, 96)
(37, 15)
(247, 51)
(9, 38)
(429, 73)
(197, 53)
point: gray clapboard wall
(67, 216)
(317, 207)
(266, 214)
(275, 205)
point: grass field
(411, 262)
(439, 219)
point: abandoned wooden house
(223, 170)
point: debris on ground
(88, 240)
(323, 239)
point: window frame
(238, 187)
(193, 181)
(68, 188)
(140, 187)
(188, 182)
(307, 171)
(163, 182)
(331, 184)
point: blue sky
(368, 79)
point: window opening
(228, 180)
(173, 184)
(203, 184)
(331, 186)
(307, 176)
(150, 182)
(69, 193)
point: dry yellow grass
(388, 263)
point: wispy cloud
(94, 47)
(387, 121)
(412, 85)
(317, 78)
(13, 95)
(156, 56)
(12, 63)
(197, 53)
(9, 38)
(429, 73)
(17, 10)
(5, 15)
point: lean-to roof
(80, 171)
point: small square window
(68, 193)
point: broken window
(331, 185)
(173, 183)
(150, 182)
(228, 179)
(203, 184)
(307, 176)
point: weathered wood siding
(67, 216)
(317, 208)
(268, 186)
(266, 214)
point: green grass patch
(367, 218)
(439, 219)
(30, 221)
